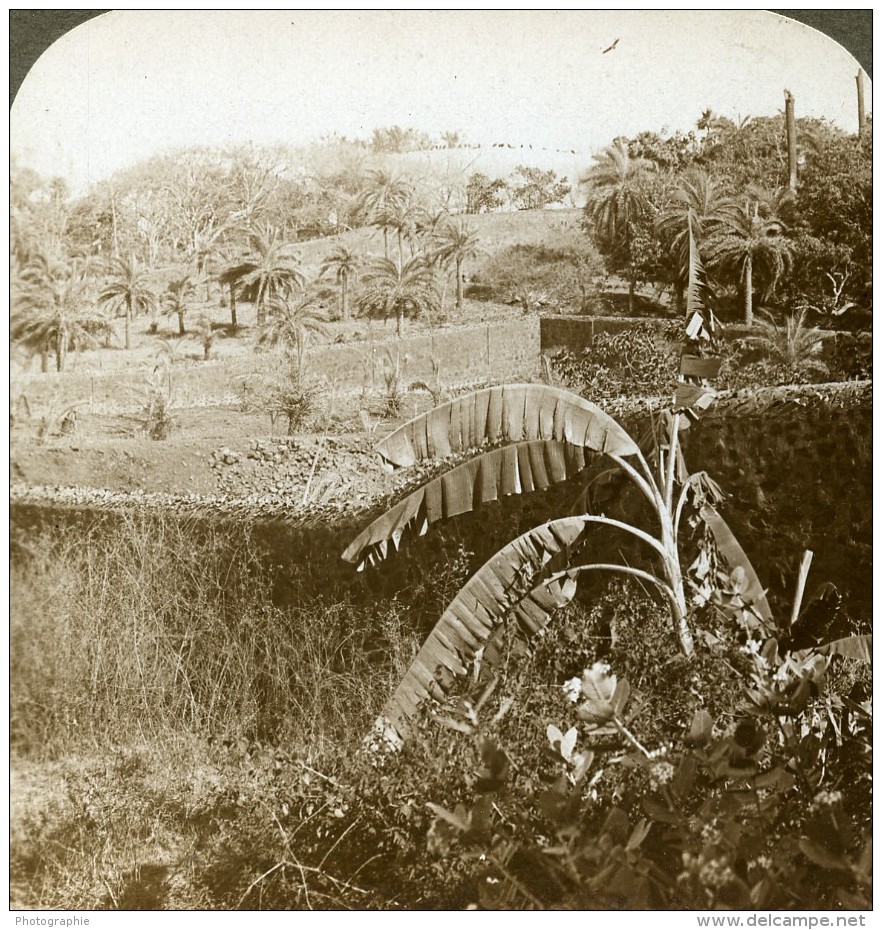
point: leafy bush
(843, 357)
(395, 387)
(746, 784)
(532, 188)
(556, 275)
(635, 361)
(157, 419)
(849, 356)
(289, 394)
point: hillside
(497, 231)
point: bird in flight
(610, 48)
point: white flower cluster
(825, 799)
(662, 772)
(572, 689)
(716, 874)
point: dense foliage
(231, 219)
(248, 784)
(804, 247)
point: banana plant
(543, 436)
(534, 436)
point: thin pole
(862, 116)
(791, 139)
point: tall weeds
(144, 629)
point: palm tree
(268, 272)
(205, 253)
(343, 263)
(795, 346)
(127, 288)
(457, 242)
(382, 194)
(292, 325)
(205, 332)
(748, 240)
(230, 275)
(52, 310)
(617, 197)
(176, 299)
(405, 219)
(698, 201)
(399, 290)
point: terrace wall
(489, 352)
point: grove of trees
(760, 239)
(225, 223)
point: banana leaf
(526, 582)
(850, 647)
(514, 469)
(506, 583)
(730, 549)
(506, 413)
(698, 295)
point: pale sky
(129, 84)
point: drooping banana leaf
(735, 557)
(527, 580)
(514, 469)
(474, 614)
(510, 413)
(524, 620)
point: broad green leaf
(554, 735)
(562, 744)
(638, 834)
(599, 689)
(823, 857)
(701, 729)
(506, 413)
(684, 777)
(568, 743)
(620, 696)
(524, 579)
(582, 761)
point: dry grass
(144, 628)
(170, 724)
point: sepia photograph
(440, 461)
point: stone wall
(506, 351)
(796, 464)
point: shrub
(849, 356)
(157, 419)
(729, 788)
(635, 361)
(289, 394)
(560, 275)
(394, 385)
